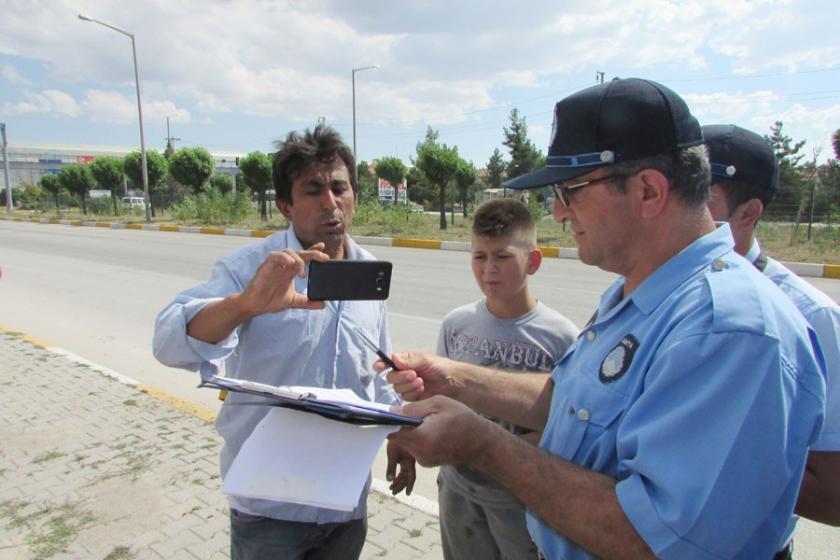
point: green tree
(222, 182)
(77, 179)
(789, 199)
(496, 166)
(366, 183)
(155, 170)
(835, 143)
(524, 156)
(192, 167)
(392, 169)
(108, 173)
(51, 184)
(420, 190)
(465, 177)
(439, 163)
(256, 174)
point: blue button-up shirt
(294, 347)
(699, 393)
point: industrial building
(29, 162)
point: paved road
(96, 291)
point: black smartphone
(349, 280)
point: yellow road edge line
(416, 243)
(169, 228)
(23, 336)
(831, 271)
(549, 251)
(211, 230)
(133, 226)
(181, 404)
(36, 341)
(261, 232)
(103, 224)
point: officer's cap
(617, 121)
(737, 154)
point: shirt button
(590, 335)
(718, 265)
(584, 415)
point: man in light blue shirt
(253, 316)
(677, 426)
(745, 179)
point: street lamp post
(353, 75)
(9, 204)
(144, 170)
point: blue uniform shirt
(823, 315)
(699, 393)
(294, 347)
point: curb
(814, 270)
(418, 503)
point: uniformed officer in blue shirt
(745, 179)
(677, 426)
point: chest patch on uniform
(618, 360)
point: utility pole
(814, 180)
(599, 76)
(170, 141)
(9, 205)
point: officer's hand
(419, 375)
(451, 433)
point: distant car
(133, 202)
(414, 207)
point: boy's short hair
(506, 217)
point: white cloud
(729, 107)
(48, 101)
(441, 63)
(9, 74)
(115, 108)
(815, 125)
(109, 107)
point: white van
(133, 202)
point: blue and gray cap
(737, 154)
(617, 121)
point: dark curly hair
(301, 150)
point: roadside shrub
(102, 205)
(394, 219)
(212, 207)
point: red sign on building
(387, 191)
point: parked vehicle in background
(133, 202)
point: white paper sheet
(303, 458)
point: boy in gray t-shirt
(507, 329)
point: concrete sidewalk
(91, 467)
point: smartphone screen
(349, 280)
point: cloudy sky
(238, 75)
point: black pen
(382, 356)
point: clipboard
(349, 412)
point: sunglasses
(563, 192)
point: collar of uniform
(697, 256)
(754, 251)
